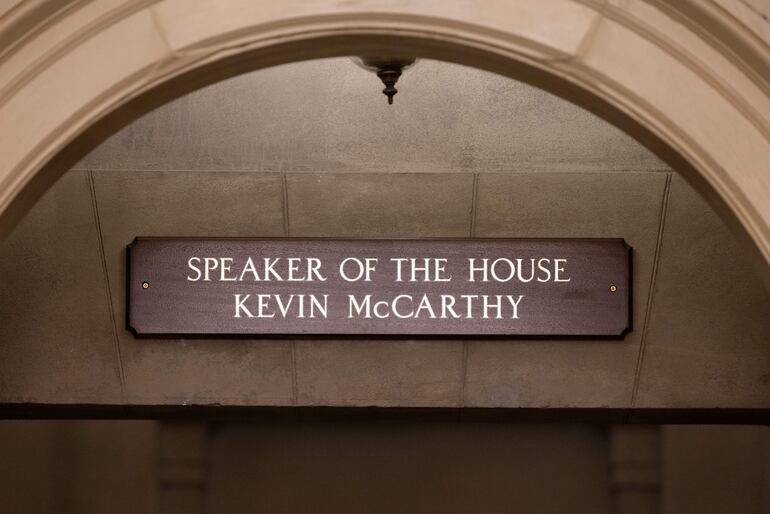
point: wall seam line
(293, 343)
(472, 233)
(474, 194)
(108, 288)
(651, 290)
(285, 204)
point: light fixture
(388, 68)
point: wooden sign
(438, 287)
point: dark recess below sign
(398, 287)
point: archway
(716, 136)
(608, 58)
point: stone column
(635, 469)
(182, 467)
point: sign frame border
(379, 336)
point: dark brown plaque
(441, 287)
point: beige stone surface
(64, 24)
(753, 13)
(329, 115)
(708, 342)
(698, 351)
(379, 372)
(550, 27)
(45, 105)
(392, 205)
(193, 204)
(57, 342)
(628, 67)
(383, 373)
(521, 373)
(655, 75)
(698, 53)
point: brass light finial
(388, 69)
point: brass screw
(613, 288)
(145, 285)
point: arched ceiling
(329, 115)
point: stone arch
(686, 79)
